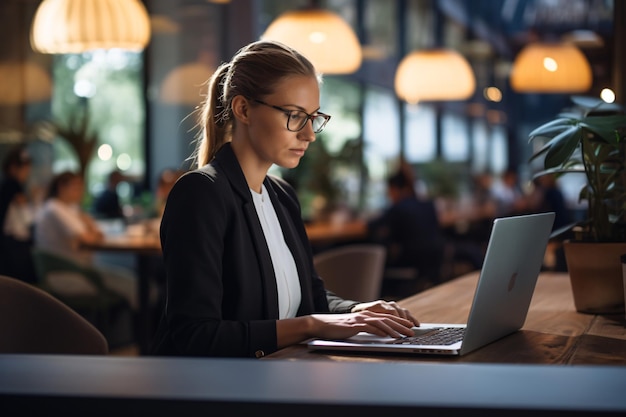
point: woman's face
(269, 137)
(22, 172)
(72, 190)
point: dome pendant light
(75, 26)
(434, 75)
(320, 35)
(551, 68)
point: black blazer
(221, 289)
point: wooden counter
(554, 333)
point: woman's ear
(240, 107)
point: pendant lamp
(434, 75)
(551, 68)
(75, 26)
(320, 35)
(186, 84)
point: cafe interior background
(138, 106)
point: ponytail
(215, 119)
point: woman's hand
(388, 307)
(341, 326)
(381, 318)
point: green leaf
(559, 171)
(573, 165)
(548, 129)
(562, 147)
(541, 151)
(605, 126)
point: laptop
(512, 263)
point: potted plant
(590, 139)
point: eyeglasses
(297, 119)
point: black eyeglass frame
(289, 112)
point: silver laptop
(512, 263)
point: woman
(240, 277)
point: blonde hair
(253, 72)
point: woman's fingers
(388, 307)
(390, 328)
(387, 324)
(341, 326)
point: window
(99, 96)
(381, 137)
(420, 133)
(455, 141)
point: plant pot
(595, 271)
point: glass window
(381, 37)
(480, 141)
(421, 138)
(342, 138)
(499, 150)
(420, 22)
(99, 113)
(455, 146)
(340, 99)
(381, 140)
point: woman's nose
(307, 133)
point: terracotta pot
(595, 271)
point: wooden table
(554, 333)
(147, 245)
(331, 233)
(318, 233)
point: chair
(33, 321)
(354, 271)
(80, 287)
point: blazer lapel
(295, 246)
(265, 261)
(227, 160)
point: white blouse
(287, 282)
(56, 230)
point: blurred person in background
(410, 230)
(16, 217)
(508, 195)
(62, 227)
(167, 179)
(107, 204)
(547, 196)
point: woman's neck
(253, 168)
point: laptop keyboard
(442, 336)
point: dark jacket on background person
(108, 206)
(410, 230)
(9, 189)
(15, 254)
(221, 289)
